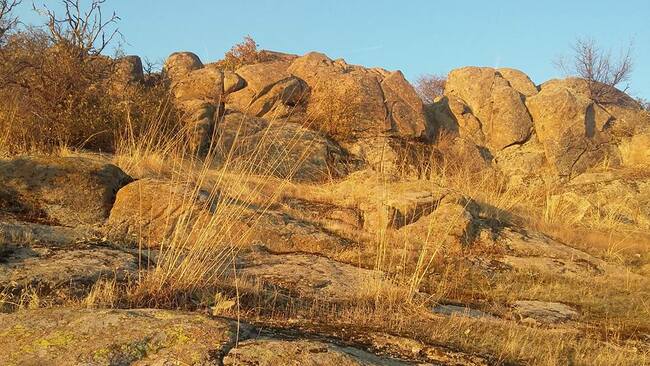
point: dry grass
(196, 271)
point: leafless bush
(602, 71)
(645, 104)
(430, 86)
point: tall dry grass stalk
(201, 251)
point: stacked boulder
(308, 111)
(312, 118)
(198, 92)
(555, 129)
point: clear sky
(416, 36)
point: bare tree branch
(7, 21)
(85, 30)
(598, 67)
(430, 86)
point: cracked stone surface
(113, 337)
(309, 276)
(544, 312)
(268, 352)
(70, 269)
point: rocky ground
(361, 239)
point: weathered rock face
(455, 218)
(310, 276)
(126, 71)
(55, 272)
(369, 102)
(497, 105)
(635, 151)
(70, 191)
(404, 107)
(544, 312)
(503, 110)
(350, 102)
(519, 81)
(285, 150)
(571, 128)
(162, 337)
(454, 117)
(536, 252)
(198, 93)
(204, 84)
(149, 213)
(522, 162)
(265, 83)
(268, 352)
(623, 115)
(155, 211)
(611, 195)
(179, 64)
(113, 337)
(402, 210)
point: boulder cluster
(336, 116)
(555, 126)
(321, 114)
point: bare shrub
(602, 71)
(56, 92)
(244, 53)
(430, 86)
(645, 104)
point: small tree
(645, 104)
(430, 86)
(598, 67)
(7, 21)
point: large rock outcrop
(113, 337)
(349, 103)
(367, 102)
(494, 101)
(198, 92)
(527, 129)
(281, 149)
(572, 129)
(127, 71)
(625, 117)
(179, 64)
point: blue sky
(413, 36)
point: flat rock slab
(309, 276)
(71, 336)
(455, 310)
(271, 352)
(531, 251)
(72, 268)
(412, 349)
(544, 312)
(113, 337)
(23, 233)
